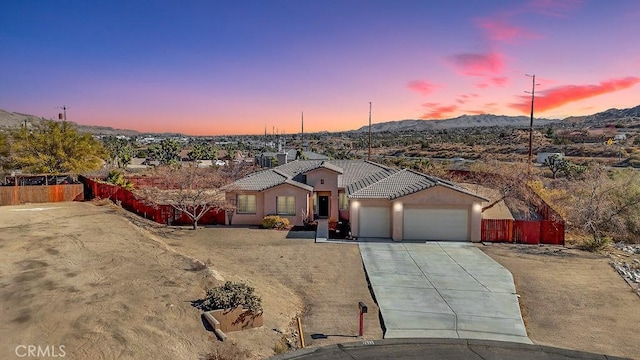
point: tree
(4, 149)
(55, 147)
(166, 152)
(509, 179)
(120, 151)
(192, 190)
(203, 151)
(555, 163)
(558, 164)
(606, 204)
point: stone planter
(233, 319)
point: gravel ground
(106, 284)
(573, 299)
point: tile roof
(402, 183)
(260, 180)
(359, 178)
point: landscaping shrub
(117, 178)
(230, 295)
(275, 222)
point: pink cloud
(479, 64)
(499, 80)
(422, 87)
(465, 98)
(559, 96)
(438, 111)
(482, 85)
(498, 30)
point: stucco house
(377, 200)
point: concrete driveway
(442, 290)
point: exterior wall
(354, 212)
(247, 219)
(330, 186)
(302, 201)
(436, 197)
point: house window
(321, 181)
(286, 205)
(343, 201)
(246, 204)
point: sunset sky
(236, 67)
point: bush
(230, 295)
(117, 178)
(593, 245)
(275, 222)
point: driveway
(442, 290)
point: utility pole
(302, 144)
(369, 156)
(64, 112)
(533, 95)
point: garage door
(436, 224)
(375, 222)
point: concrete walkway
(322, 231)
(442, 290)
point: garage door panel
(375, 222)
(436, 224)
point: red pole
(361, 323)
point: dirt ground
(573, 299)
(87, 278)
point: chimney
(282, 158)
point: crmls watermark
(40, 351)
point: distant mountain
(611, 116)
(9, 120)
(460, 122)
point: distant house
(378, 201)
(542, 157)
(620, 137)
(271, 159)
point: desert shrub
(116, 177)
(281, 346)
(275, 222)
(229, 352)
(591, 244)
(230, 295)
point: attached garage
(375, 222)
(435, 224)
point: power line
(369, 155)
(533, 95)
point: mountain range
(611, 116)
(622, 117)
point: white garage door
(436, 224)
(375, 222)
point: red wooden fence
(523, 231)
(497, 230)
(15, 195)
(162, 214)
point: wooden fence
(523, 231)
(162, 214)
(16, 195)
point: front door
(323, 206)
